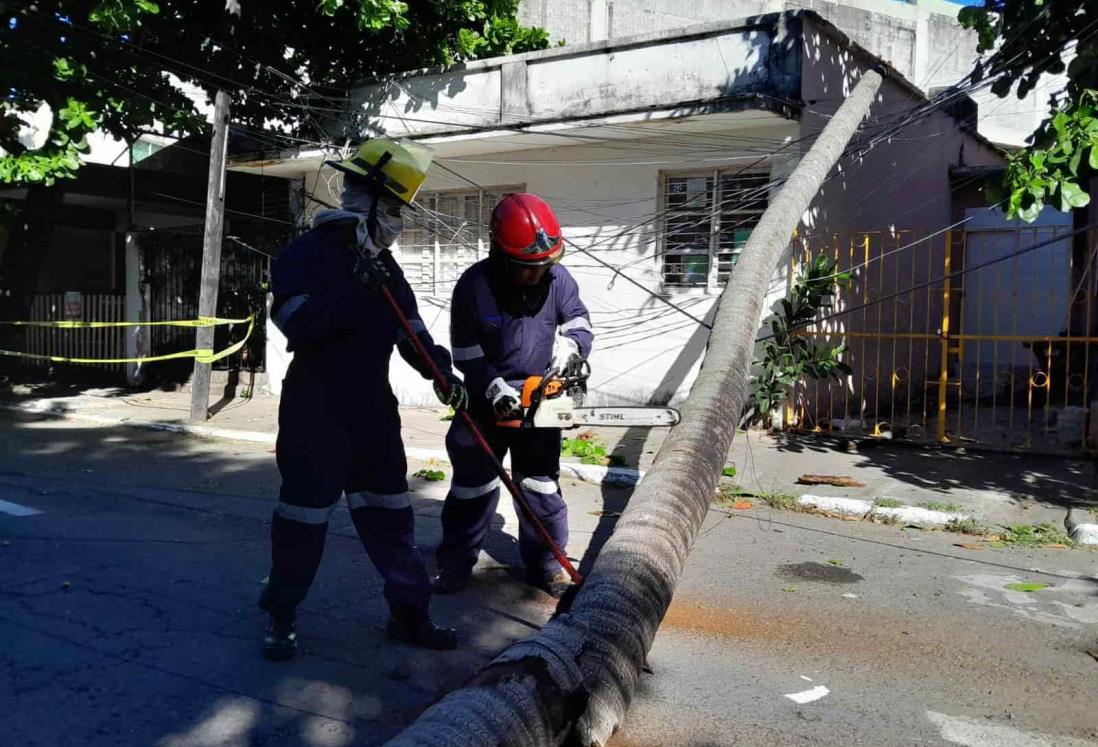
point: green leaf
(1076, 159)
(468, 42)
(1027, 587)
(729, 471)
(62, 68)
(1072, 196)
(1031, 213)
(1093, 160)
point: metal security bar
(707, 218)
(108, 342)
(171, 266)
(446, 236)
(1002, 356)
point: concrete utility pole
(575, 678)
(211, 254)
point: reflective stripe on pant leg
(297, 545)
(471, 502)
(535, 457)
(368, 499)
(381, 509)
(542, 493)
(303, 514)
(464, 493)
(538, 485)
(312, 458)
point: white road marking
(807, 696)
(972, 732)
(806, 679)
(16, 510)
(990, 591)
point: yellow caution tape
(202, 321)
(200, 355)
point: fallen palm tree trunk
(573, 681)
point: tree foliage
(116, 65)
(788, 356)
(1027, 39)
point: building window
(446, 235)
(143, 148)
(707, 217)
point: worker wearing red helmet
(514, 315)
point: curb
(591, 473)
(202, 431)
(862, 509)
(1081, 531)
(915, 516)
(852, 507)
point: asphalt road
(794, 629)
(127, 618)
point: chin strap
(376, 177)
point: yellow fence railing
(1002, 355)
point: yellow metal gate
(962, 337)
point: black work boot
(411, 624)
(555, 584)
(280, 640)
(449, 582)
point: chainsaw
(556, 400)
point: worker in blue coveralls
(339, 430)
(515, 314)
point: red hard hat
(525, 231)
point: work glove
(372, 273)
(459, 395)
(565, 351)
(505, 399)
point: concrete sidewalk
(995, 489)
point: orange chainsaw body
(529, 388)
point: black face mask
(514, 299)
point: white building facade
(659, 153)
(921, 39)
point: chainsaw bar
(618, 417)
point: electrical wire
(940, 279)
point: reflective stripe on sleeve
(417, 326)
(580, 322)
(468, 354)
(286, 310)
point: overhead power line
(941, 279)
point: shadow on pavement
(1050, 480)
(130, 602)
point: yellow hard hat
(400, 165)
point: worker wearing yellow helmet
(339, 429)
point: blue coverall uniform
(499, 330)
(339, 429)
